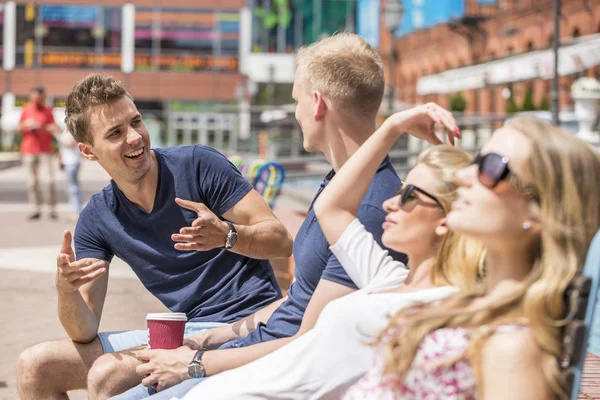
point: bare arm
(260, 234)
(81, 289)
(32, 124)
(52, 128)
(51, 125)
(213, 338)
(512, 368)
(165, 368)
(222, 360)
(28, 123)
(20, 127)
(338, 204)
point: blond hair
(347, 70)
(95, 89)
(458, 256)
(566, 172)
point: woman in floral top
(531, 198)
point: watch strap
(231, 227)
(198, 357)
(196, 369)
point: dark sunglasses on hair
(406, 193)
(493, 169)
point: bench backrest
(581, 299)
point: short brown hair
(347, 70)
(93, 90)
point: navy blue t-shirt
(213, 286)
(314, 261)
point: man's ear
(87, 151)
(442, 228)
(319, 105)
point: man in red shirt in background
(37, 126)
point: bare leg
(113, 374)
(49, 369)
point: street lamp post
(555, 44)
(394, 11)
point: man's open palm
(206, 233)
(71, 274)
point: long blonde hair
(565, 172)
(458, 256)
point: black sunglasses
(406, 193)
(493, 169)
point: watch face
(195, 371)
(233, 239)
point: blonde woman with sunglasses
(531, 197)
(329, 358)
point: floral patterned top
(439, 371)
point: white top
(325, 361)
(69, 153)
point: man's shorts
(123, 340)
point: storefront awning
(581, 54)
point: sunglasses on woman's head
(493, 169)
(406, 192)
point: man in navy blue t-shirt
(189, 225)
(338, 89)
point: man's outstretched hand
(206, 233)
(71, 274)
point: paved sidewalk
(28, 304)
(27, 263)
(9, 159)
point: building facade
(435, 61)
(197, 66)
(179, 59)
(53, 43)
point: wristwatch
(196, 369)
(232, 236)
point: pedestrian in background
(38, 127)
(70, 163)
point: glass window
(1, 28)
(186, 40)
(25, 51)
(283, 26)
(68, 36)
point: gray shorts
(113, 342)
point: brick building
(491, 33)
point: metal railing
(286, 146)
(214, 129)
(220, 128)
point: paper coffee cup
(165, 330)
